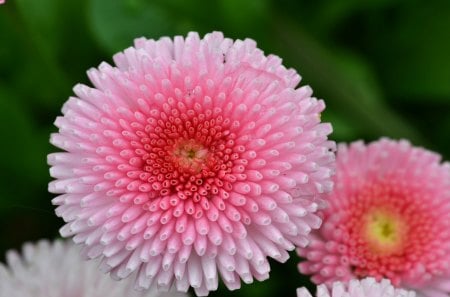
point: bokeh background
(382, 66)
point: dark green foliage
(382, 66)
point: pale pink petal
(191, 160)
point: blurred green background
(383, 67)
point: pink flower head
(389, 216)
(55, 269)
(367, 287)
(191, 158)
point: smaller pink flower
(388, 217)
(2, 1)
(367, 287)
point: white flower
(56, 269)
(367, 287)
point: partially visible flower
(191, 159)
(389, 217)
(367, 287)
(56, 269)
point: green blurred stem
(316, 63)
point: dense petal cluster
(55, 269)
(367, 287)
(189, 159)
(389, 216)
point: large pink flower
(191, 158)
(389, 216)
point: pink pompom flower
(367, 287)
(55, 269)
(389, 216)
(189, 159)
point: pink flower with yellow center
(388, 217)
(189, 160)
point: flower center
(183, 154)
(190, 156)
(389, 232)
(384, 231)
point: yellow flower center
(384, 230)
(190, 156)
